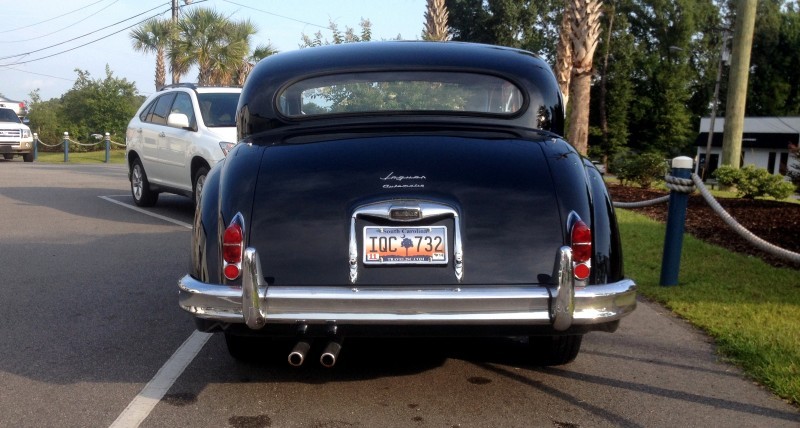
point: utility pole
(737, 83)
(723, 49)
(175, 12)
(174, 29)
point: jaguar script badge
(392, 181)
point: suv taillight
(581, 250)
(232, 244)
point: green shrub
(642, 169)
(751, 182)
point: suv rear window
(401, 92)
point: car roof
(219, 89)
(200, 89)
(257, 105)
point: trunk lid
(501, 190)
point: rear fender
(238, 178)
(205, 247)
(572, 189)
(607, 248)
(218, 205)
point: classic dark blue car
(405, 188)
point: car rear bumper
(561, 306)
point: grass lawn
(115, 156)
(751, 309)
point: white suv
(177, 135)
(15, 136)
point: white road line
(143, 211)
(141, 406)
(139, 409)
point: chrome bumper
(16, 146)
(257, 304)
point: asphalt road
(90, 327)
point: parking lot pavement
(89, 317)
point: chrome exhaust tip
(330, 354)
(298, 354)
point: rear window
(401, 92)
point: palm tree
(215, 44)
(153, 37)
(200, 40)
(260, 52)
(584, 24)
(236, 61)
(436, 28)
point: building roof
(758, 125)
(758, 132)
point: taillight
(581, 250)
(232, 243)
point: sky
(34, 33)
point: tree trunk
(584, 33)
(578, 134)
(161, 71)
(563, 67)
(604, 82)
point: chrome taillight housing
(581, 244)
(233, 248)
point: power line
(38, 74)
(275, 14)
(84, 35)
(62, 29)
(48, 20)
(85, 44)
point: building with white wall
(765, 143)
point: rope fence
(687, 186)
(67, 141)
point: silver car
(175, 138)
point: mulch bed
(776, 222)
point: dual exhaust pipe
(328, 358)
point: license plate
(405, 245)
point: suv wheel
(140, 187)
(27, 157)
(8, 156)
(198, 182)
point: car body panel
(313, 188)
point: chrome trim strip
(383, 210)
